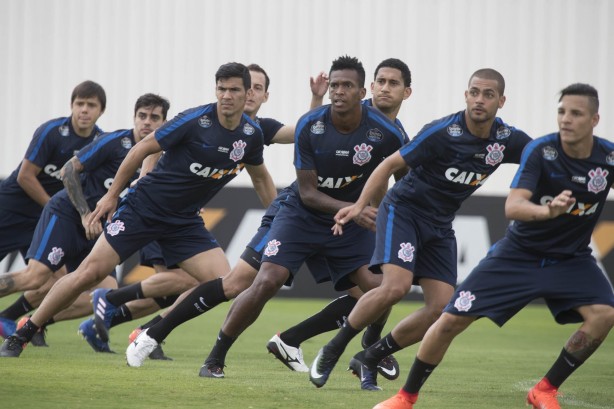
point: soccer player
(162, 288)
(204, 148)
(63, 236)
(449, 159)
(555, 201)
(26, 191)
(390, 87)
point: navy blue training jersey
(344, 162)
(269, 127)
(100, 160)
(52, 145)
(546, 171)
(200, 157)
(448, 164)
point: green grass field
(486, 367)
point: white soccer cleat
(139, 349)
(290, 356)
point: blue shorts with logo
(59, 241)
(509, 278)
(298, 235)
(179, 238)
(316, 264)
(409, 241)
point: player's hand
(343, 216)
(92, 230)
(319, 84)
(561, 203)
(104, 208)
(367, 218)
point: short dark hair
(583, 90)
(234, 70)
(257, 68)
(396, 64)
(490, 74)
(349, 63)
(89, 89)
(152, 101)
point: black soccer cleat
(367, 376)
(212, 369)
(322, 366)
(13, 346)
(388, 367)
(38, 340)
(159, 355)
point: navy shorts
(298, 235)
(317, 265)
(179, 238)
(16, 232)
(151, 255)
(58, 241)
(409, 241)
(508, 278)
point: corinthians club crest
(238, 150)
(362, 155)
(495, 154)
(598, 180)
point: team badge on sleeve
(495, 154)
(272, 248)
(362, 155)
(55, 256)
(238, 150)
(406, 253)
(115, 228)
(598, 180)
(464, 302)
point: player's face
(343, 90)
(258, 95)
(147, 120)
(85, 113)
(388, 90)
(231, 96)
(576, 119)
(483, 100)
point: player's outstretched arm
(28, 181)
(106, 205)
(72, 183)
(263, 183)
(372, 190)
(518, 206)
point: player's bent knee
(269, 281)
